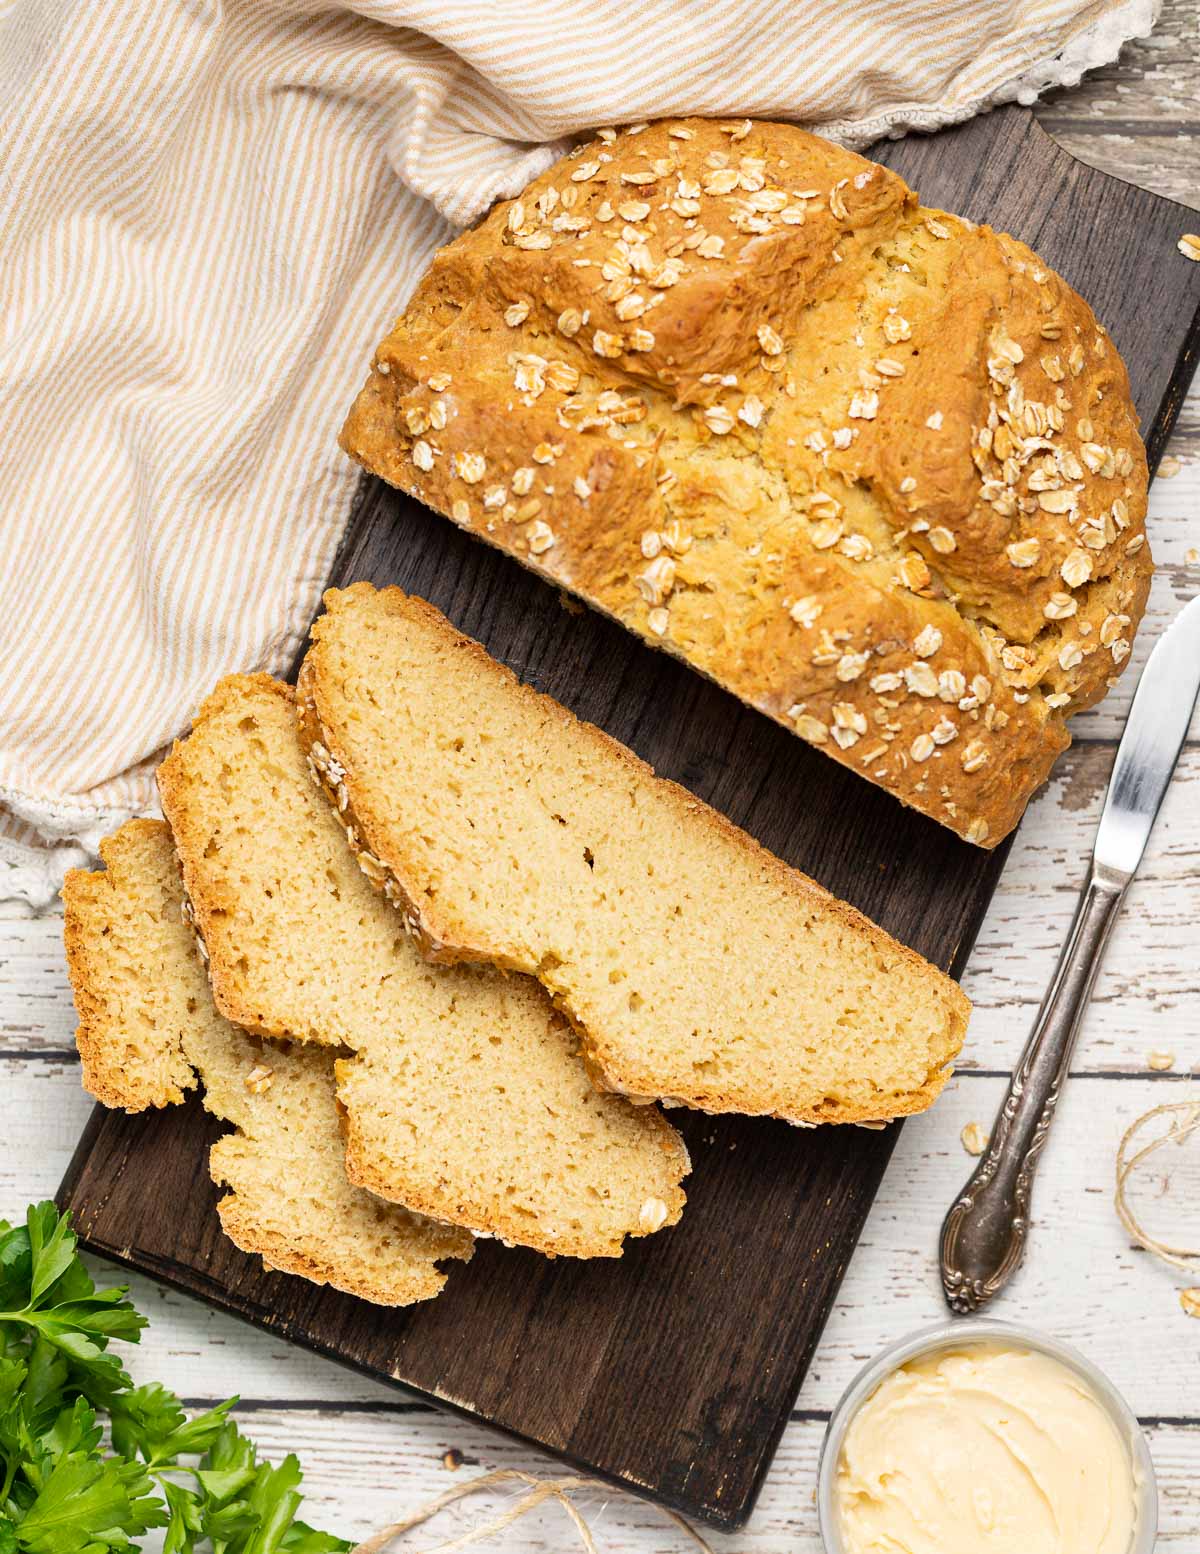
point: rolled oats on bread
(871, 467)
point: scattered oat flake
(1169, 467)
(1160, 1060)
(974, 1138)
(864, 407)
(1190, 1301)
(1192, 557)
(921, 748)
(1189, 246)
(452, 1460)
(942, 540)
(541, 537)
(652, 1215)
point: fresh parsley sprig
(64, 1487)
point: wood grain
(366, 1469)
(1113, 1300)
(1145, 997)
(674, 1371)
(1138, 116)
(209, 1354)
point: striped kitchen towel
(211, 210)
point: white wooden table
(371, 1457)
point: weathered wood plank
(1146, 992)
(362, 1472)
(1145, 996)
(1138, 117)
(1115, 1302)
(36, 1012)
(367, 1467)
(1156, 80)
(1150, 161)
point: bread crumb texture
(148, 1031)
(464, 1094)
(871, 467)
(697, 967)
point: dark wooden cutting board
(673, 1370)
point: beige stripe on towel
(209, 212)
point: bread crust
(484, 1217)
(401, 1287)
(872, 468)
(207, 903)
(85, 896)
(441, 935)
(94, 902)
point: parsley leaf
(62, 1490)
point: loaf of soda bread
(148, 1032)
(695, 965)
(464, 1095)
(869, 466)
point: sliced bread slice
(148, 1031)
(696, 965)
(465, 1098)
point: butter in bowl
(988, 1437)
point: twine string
(1185, 1117)
(1131, 1156)
(537, 1492)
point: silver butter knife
(984, 1234)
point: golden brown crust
(205, 896)
(214, 906)
(402, 1285)
(360, 1166)
(86, 912)
(404, 1288)
(441, 936)
(363, 1169)
(870, 467)
(126, 935)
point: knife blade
(1153, 737)
(984, 1234)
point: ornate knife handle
(983, 1235)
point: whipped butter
(985, 1450)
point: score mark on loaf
(874, 469)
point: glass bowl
(964, 1335)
